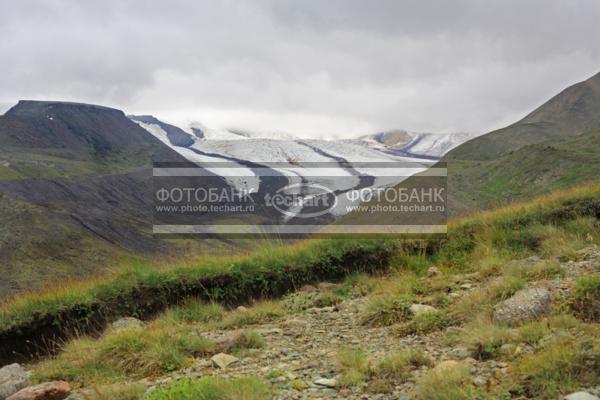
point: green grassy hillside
(524, 173)
(554, 147)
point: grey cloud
(337, 67)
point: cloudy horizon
(310, 68)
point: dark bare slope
(556, 146)
(75, 191)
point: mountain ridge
(555, 146)
(573, 111)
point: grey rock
(13, 378)
(418, 309)
(460, 352)
(525, 305)
(433, 271)
(223, 360)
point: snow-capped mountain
(254, 156)
(433, 145)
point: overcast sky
(316, 68)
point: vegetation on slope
(275, 270)
(542, 359)
(554, 147)
(523, 174)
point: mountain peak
(33, 107)
(573, 111)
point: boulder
(13, 378)
(126, 323)
(525, 305)
(223, 360)
(57, 390)
(418, 309)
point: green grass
(196, 310)
(354, 365)
(397, 366)
(445, 384)
(125, 354)
(261, 273)
(260, 313)
(208, 388)
(134, 391)
(385, 310)
(424, 324)
(523, 174)
(586, 300)
(484, 338)
(561, 367)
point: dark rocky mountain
(80, 131)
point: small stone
(308, 288)
(479, 381)
(581, 396)
(13, 378)
(241, 309)
(330, 383)
(460, 352)
(126, 323)
(433, 271)
(418, 309)
(223, 360)
(466, 286)
(57, 390)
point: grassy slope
(554, 147)
(274, 270)
(530, 171)
(561, 356)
